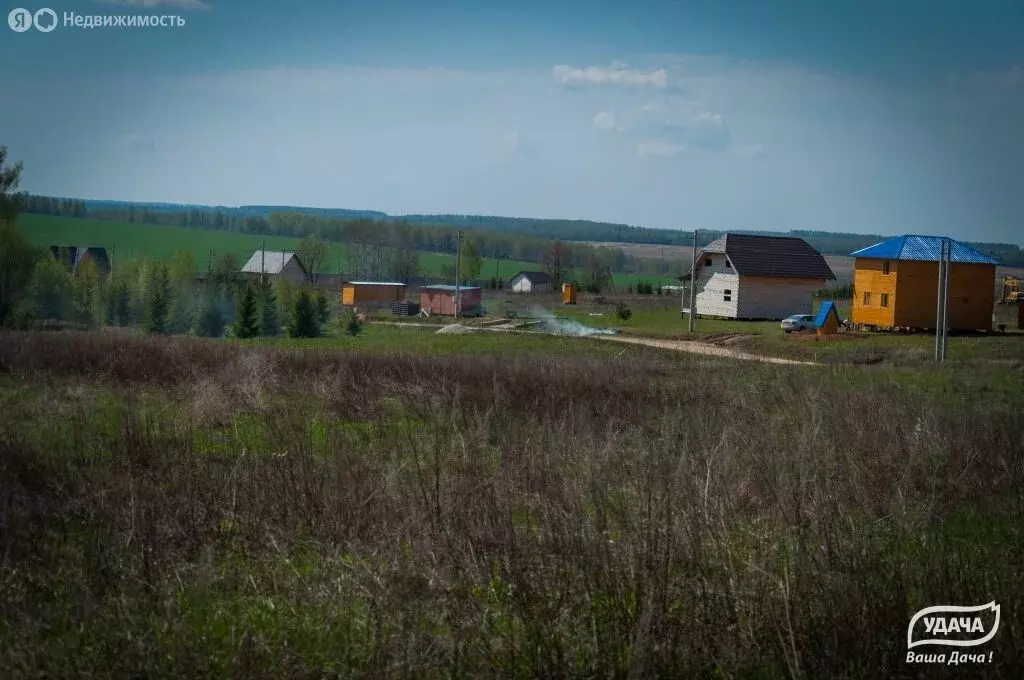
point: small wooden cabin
(371, 293)
(896, 285)
(440, 299)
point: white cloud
(658, 147)
(749, 151)
(616, 74)
(682, 122)
(605, 120)
(178, 4)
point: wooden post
(458, 258)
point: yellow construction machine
(1013, 291)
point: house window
(867, 299)
(707, 261)
(885, 299)
(727, 295)
(885, 269)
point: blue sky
(882, 117)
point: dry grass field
(180, 508)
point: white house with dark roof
(530, 282)
(746, 276)
(276, 264)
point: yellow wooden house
(896, 285)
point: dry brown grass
(358, 515)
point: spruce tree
(158, 300)
(246, 325)
(323, 311)
(269, 324)
(211, 321)
(305, 323)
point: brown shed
(440, 299)
(371, 293)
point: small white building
(276, 264)
(530, 282)
(746, 276)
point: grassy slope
(126, 240)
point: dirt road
(704, 348)
(691, 346)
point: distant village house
(276, 264)
(896, 285)
(530, 282)
(74, 257)
(747, 276)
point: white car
(798, 322)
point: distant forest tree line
(496, 237)
(374, 243)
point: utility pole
(945, 298)
(939, 321)
(693, 282)
(458, 258)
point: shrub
(353, 327)
(50, 295)
(17, 262)
(623, 311)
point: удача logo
(952, 626)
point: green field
(129, 240)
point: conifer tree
(305, 323)
(269, 323)
(246, 325)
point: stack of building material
(405, 308)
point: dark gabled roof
(534, 277)
(922, 249)
(73, 256)
(779, 256)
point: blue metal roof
(922, 248)
(826, 309)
